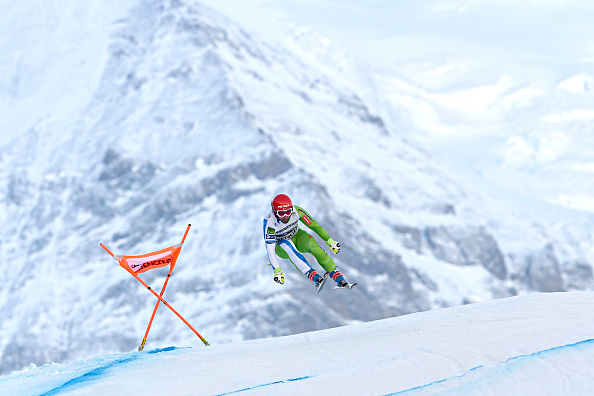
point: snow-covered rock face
(196, 122)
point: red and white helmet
(282, 205)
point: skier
(284, 238)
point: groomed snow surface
(542, 344)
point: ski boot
(320, 281)
(344, 285)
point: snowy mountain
(532, 345)
(196, 121)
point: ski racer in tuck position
(284, 238)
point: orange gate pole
(173, 310)
(160, 298)
(141, 347)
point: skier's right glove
(334, 246)
(279, 277)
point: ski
(348, 286)
(321, 285)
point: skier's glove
(279, 277)
(334, 246)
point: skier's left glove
(334, 246)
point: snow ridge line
(94, 375)
(268, 384)
(520, 358)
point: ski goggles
(284, 213)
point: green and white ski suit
(288, 241)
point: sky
(534, 345)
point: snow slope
(538, 344)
